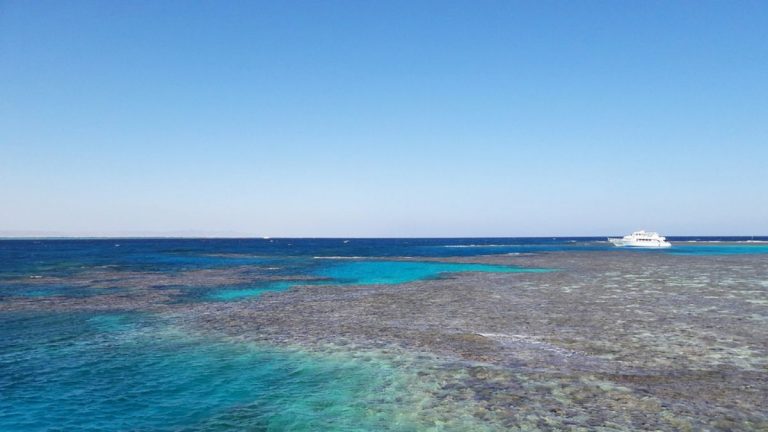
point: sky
(383, 118)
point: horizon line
(171, 237)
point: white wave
(338, 257)
(480, 245)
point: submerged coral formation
(604, 341)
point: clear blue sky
(383, 118)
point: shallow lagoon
(364, 272)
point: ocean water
(115, 370)
(235, 293)
(394, 272)
(26, 257)
(370, 272)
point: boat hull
(645, 245)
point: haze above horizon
(383, 119)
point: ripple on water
(130, 372)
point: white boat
(641, 239)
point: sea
(138, 368)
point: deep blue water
(118, 371)
(20, 256)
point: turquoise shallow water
(139, 372)
(393, 272)
(719, 249)
(118, 372)
(227, 294)
(366, 272)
